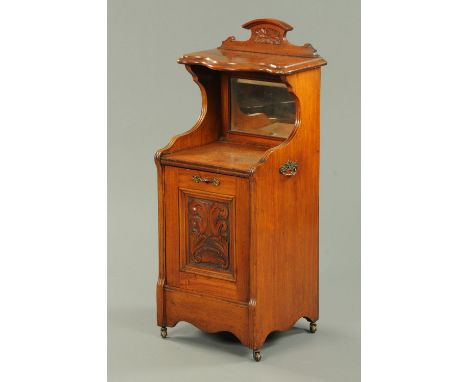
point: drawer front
(207, 228)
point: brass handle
(213, 181)
(289, 168)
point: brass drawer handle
(213, 181)
(289, 168)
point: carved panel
(208, 233)
(267, 36)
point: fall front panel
(207, 229)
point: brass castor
(257, 356)
(163, 332)
(313, 327)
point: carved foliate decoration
(268, 36)
(208, 230)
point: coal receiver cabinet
(238, 192)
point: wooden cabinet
(238, 193)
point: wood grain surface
(238, 240)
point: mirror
(261, 108)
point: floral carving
(267, 36)
(208, 230)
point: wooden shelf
(223, 59)
(221, 156)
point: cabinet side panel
(285, 221)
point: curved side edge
(210, 329)
(198, 124)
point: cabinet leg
(163, 332)
(257, 355)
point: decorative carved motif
(208, 230)
(267, 36)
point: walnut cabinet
(238, 193)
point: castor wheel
(257, 356)
(313, 327)
(163, 332)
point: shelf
(223, 59)
(220, 156)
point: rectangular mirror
(261, 108)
